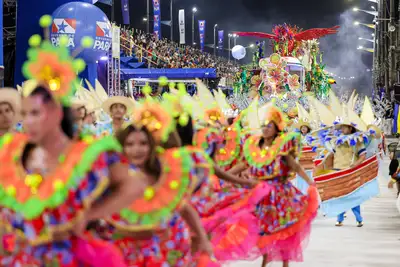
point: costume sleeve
(290, 144)
(361, 149)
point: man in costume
(117, 107)
(347, 156)
(10, 104)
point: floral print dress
(32, 211)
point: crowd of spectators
(164, 53)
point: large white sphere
(238, 52)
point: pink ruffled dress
(275, 221)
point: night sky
(244, 15)
(340, 51)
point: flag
(125, 12)
(182, 26)
(157, 18)
(202, 30)
(221, 39)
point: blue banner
(157, 18)
(125, 12)
(221, 39)
(202, 30)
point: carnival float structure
(294, 68)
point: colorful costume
(169, 243)
(33, 206)
(282, 216)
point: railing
(127, 47)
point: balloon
(77, 20)
(238, 52)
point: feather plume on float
(368, 116)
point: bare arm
(193, 220)
(231, 178)
(238, 168)
(126, 189)
(295, 166)
(360, 160)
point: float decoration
(287, 39)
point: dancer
(160, 236)
(345, 157)
(10, 105)
(285, 214)
(50, 183)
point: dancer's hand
(206, 247)
(252, 182)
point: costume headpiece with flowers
(156, 116)
(207, 110)
(270, 113)
(53, 67)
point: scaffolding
(114, 64)
(114, 75)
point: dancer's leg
(265, 261)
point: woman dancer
(51, 184)
(169, 242)
(285, 214)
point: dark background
(340, 51)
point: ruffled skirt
(275, 219)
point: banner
(202, 30)
(125, 12)
(157, 18)
(221, 39)
(107, 2)
(182, 26)
(116, 46)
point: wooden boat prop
(341, 183)
(307, 158)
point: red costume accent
(287, 38)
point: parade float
(294, 68)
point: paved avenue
(375, 244)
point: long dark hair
(186, 132)
(67, 123)
(152, 165)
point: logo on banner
(156, 25)
(201, 23)
(63, 27)
(103, 36)
(156, 2)
(155, 17)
